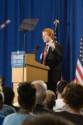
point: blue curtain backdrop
(70, 30)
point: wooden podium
(32, 70)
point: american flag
(79, 67)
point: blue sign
(17, 59)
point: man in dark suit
(52, 57)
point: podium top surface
(30, 60)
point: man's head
(73, 96)
(8, 95)
(61, 85)
(47, 119)
(1, 100)
(49, 101)
(41, 89)
(26, 95)
(47, 34)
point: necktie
(45, 54)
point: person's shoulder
(11, 115)
(1, 119)
(58, 44)
(8, 108)
(13, 118)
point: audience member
(9, 97)
(1, 119)
(47, 119)
(73, 98)
(41, 89)
(26, 100)
(5, 109)
(60, 104)
(49, 101)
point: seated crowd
(40, 106)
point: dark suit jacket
(54, 57)
(54, 61)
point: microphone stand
(27, 25)
(24, 56)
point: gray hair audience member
(41, 89)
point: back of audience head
(61, 85)
(26, 95)
(41, 89)
(8, 95)
(49, 101)
(47, 119)
(73, 95)
(1, 100)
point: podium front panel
(30, 74)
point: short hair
(1, 99)
(26, 95)
(8, 95)
(47, 119)
(49, 101)
(61, 85)
(73, 95)
(41, 89)
(49, 31)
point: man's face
(45, 37)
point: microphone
(3, 25)
(56, 21)
(36, 49)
